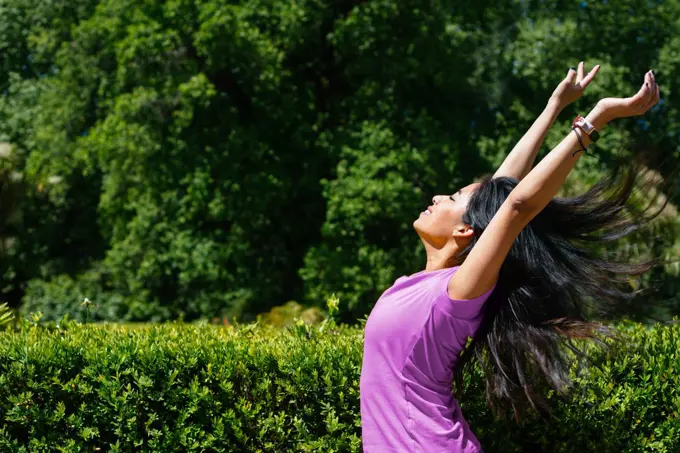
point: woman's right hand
(638, 104)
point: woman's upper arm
(479, 272)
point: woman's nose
(434, 199)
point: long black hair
(552, 285)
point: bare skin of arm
(479, 271)
(521, 159)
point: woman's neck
(438, 258)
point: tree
(203, 158)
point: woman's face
(443, 219)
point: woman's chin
(422, 215)
(419, 222)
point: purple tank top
(412, 340)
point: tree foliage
(204, 158)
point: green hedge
(191, 388)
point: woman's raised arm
(479, 271)
(520, 160)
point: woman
(506, 265)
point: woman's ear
(463, 231)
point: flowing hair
(551, 286)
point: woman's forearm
(521, 159)
(535, 191)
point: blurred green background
(202, 159)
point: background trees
(203, 158)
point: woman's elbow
(522, 207)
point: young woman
(507, 266)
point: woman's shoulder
(461, 308)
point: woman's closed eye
(451, 197)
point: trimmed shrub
(190, 388)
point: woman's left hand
(647, 97)
(573, 85)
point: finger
(652, 87)
(571, 75)
(651, 102)
(654, 97)
(648, 78)
(589, 77)
(649, 83)
(638, 97)
(649, 94)
(655, 86)
(637, 101)
(579, 72)
(647, 100)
